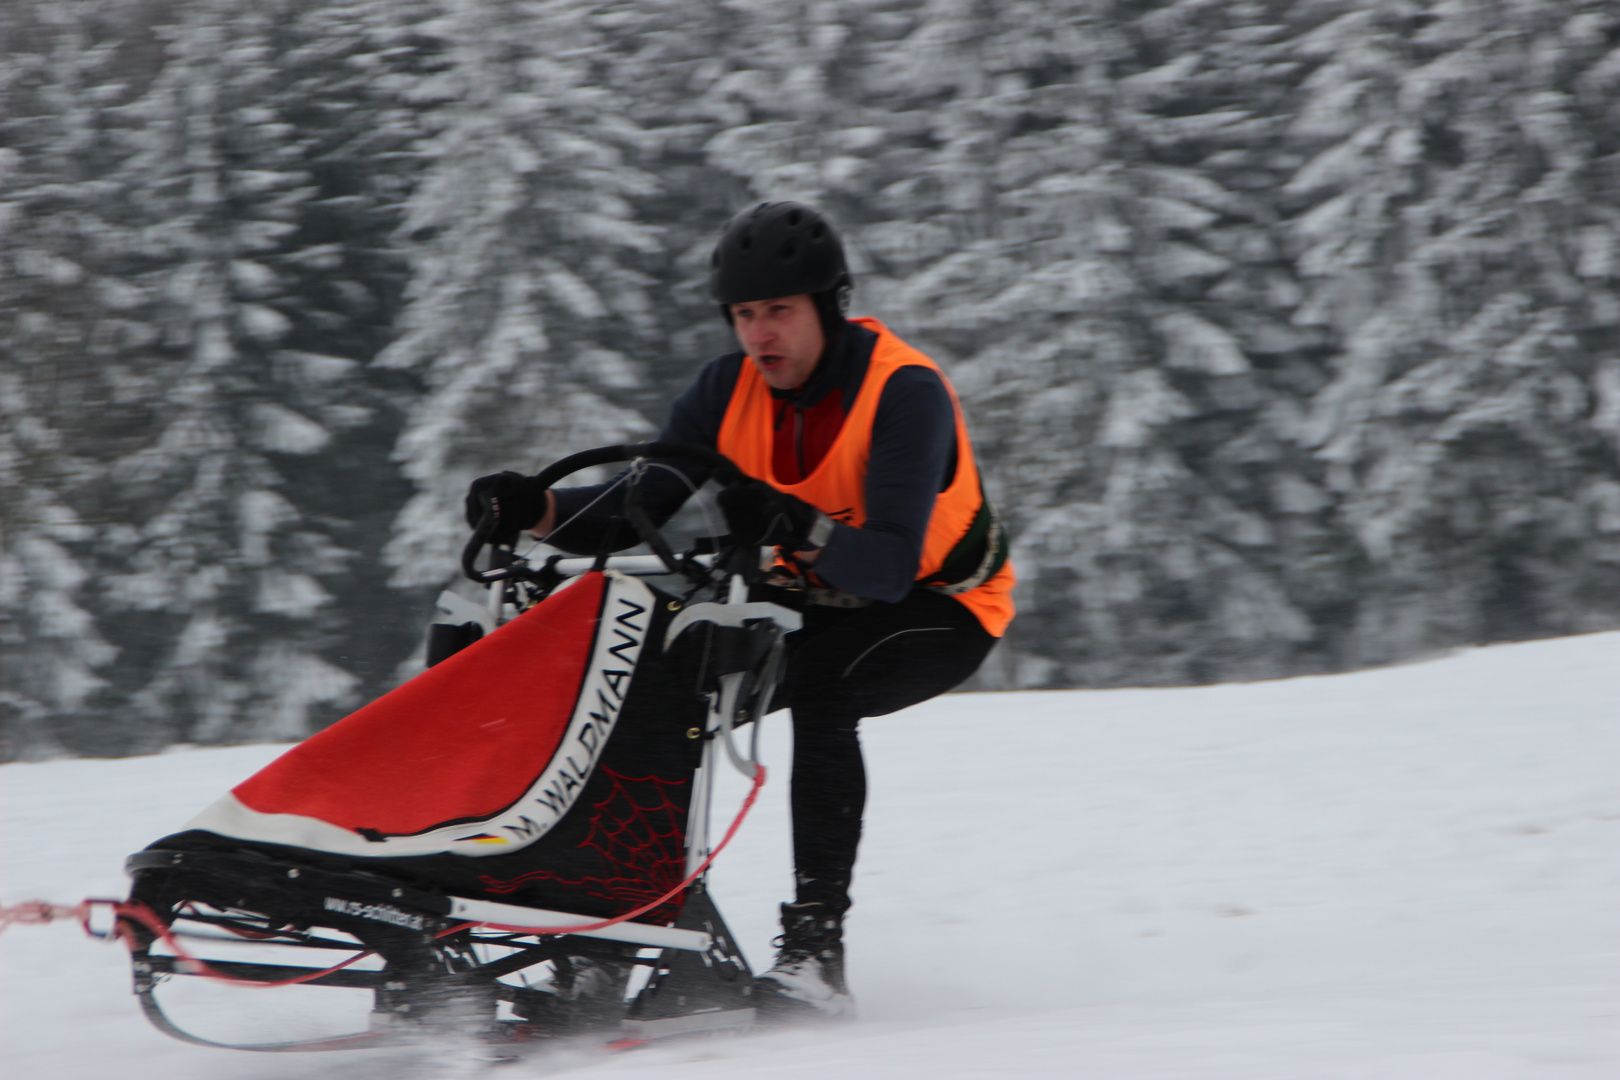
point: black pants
(845, 664)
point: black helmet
(778, 249)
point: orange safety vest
(838, 483)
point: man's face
(782, 336)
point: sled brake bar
(511, 915)
(650, 565)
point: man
(865, 482)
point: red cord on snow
(38, 913)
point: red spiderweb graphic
(640, 839)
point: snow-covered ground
(1405, 873)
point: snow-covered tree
(65, 402)
(202, 247)
(1025, 192)
(529, 313)
(1068, 232)
(1458, 224)
(214, 545)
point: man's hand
(757, 513)
(519, 503)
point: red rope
(38, 913)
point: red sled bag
(549, 764)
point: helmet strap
(832, 305)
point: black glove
(519, 503)
(757, 513)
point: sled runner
(513, 845)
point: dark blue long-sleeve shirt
(912, 460)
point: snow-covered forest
(1288, 330)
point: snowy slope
(1411, 872)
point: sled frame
(697, 981)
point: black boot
(807, 980)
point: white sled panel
(662, 937)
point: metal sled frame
(443, 956)
(432, 974)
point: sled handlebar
(724, 471)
